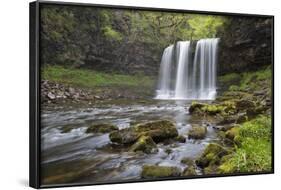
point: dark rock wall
(127, 59)
(246, 44)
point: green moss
(144, 144)
(213, 109)
(158, 130)
(232, 133)
(101, 128)
(189, 171)
(150, 171)
(253, 153)
(211, 155)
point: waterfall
(164, 84)
(194, 78)
(182, 70)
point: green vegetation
(92, 79)
(247, 80)
(231, 77)
(250, 79)
(77, 36)
(253, 152)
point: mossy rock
(124, 136)
(152, 171)
(168, 150)
(209, 109)
(242, 118)
(245, 104)
(67, 129)
(189, 171)
(212, 169)
(180, 139)
(195, 107)
(159, 131)
(101, 128)
(232, 133)
(225, 166)
(228, 120)
(187, 161)
(144, 144)
(197, 132)
(213, 109)
(211, 155)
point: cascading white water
(193, 80)
(182, 70)
(164, 82)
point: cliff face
(128, 59)
(246, 44)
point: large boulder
(197, 132)
(151, 171)
(159, 131)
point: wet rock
(168, 150)
(151, 171)
(101, 128)
(197, 132)
(67, 129)
(223, 127)
(211, 155)
(124, 136)
(51, 96)
(159, 131)
(228, 120)
(144, 144)
(189, 171)
(180, 139)
(187, 161)
(196, 107)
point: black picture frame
(34, 98)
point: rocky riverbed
(128, 139)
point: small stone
(51, 96)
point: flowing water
(194, 77)
(85, 158)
